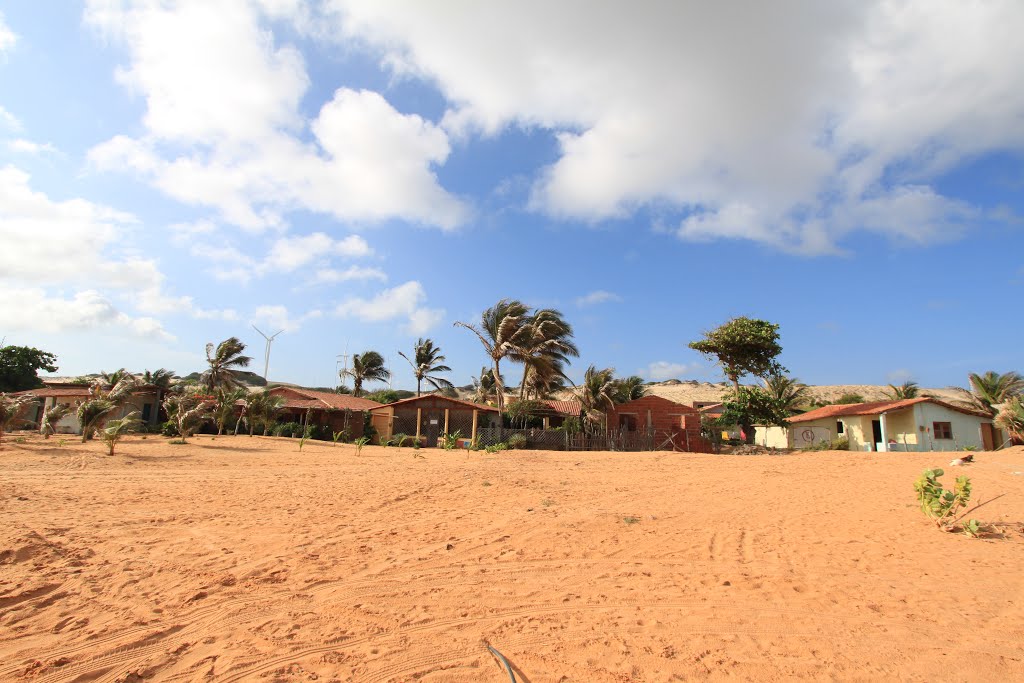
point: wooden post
(476, 414)
(419, 412)
(445, 420)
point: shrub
(360, 442)
(450, 441)
(941, 505)
(168, 429)
(517, 441)
(496, 447)
(290, 429)
(840, 443)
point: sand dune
(236, 559)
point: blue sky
(361, 173)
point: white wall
(966, 428)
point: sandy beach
(238, 558)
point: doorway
(876, 433)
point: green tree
(366, 367)
(53, 415)
(991, 389)
(629, 389)
(543, 345)
(908, 389)
(95, 410)
(19, 365)
(260, 408)
(11, 408)
(115, 430)
(160, 380)
(484, 386)
(226, 406)
(545, 377)
(500, 331)
(426, 362)
(753, 405)
(789, 393)
(188, 409)
(114, 377)
(743, 346)
(224, 359)
(849, 398)
(596, 394)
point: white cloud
(76, 242)
(223, 127)
(7, 36)
(291, 253)
(661, 370)
(30, 309)
(598, 296)
(9, 120)
(404, 301)
(332, 276)
(900, 376)
(783, 127)
(23, 146)
(278, 318)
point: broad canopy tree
(743, 346)
(19, 365)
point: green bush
(517, 441)
(496, 447)
(169, 429)
(941, 505)
(290, 429)
(840, 443)
(450, 441)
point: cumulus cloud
(658, 371)
(9, 120)
(23, 146)
(333, 276)
(404, 302)
(76, 243)
(7, 36)
(598, 296)
(223, 127)
(30, 309)
(783, 127)
(279, 318)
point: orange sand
(243, 559)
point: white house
(916, 424)
(144, 400)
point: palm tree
(629, 389)
(160, 380)
(114, 377)
(992, 389)
(908, 389)
(546, 376)
(94, 411)
(1011, 418)
(262, 407)
(500, 330)
(227, 400)
(188, 410)
(224, 360)
(366, 367)
(10, 411)
(426, 361)
(789, 393)
(51, 417)
(114, 430)
(483, 387)
(545, 339)
(596, 393)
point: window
(942, 430)
(839, 426)
(147, 411)
(627, 422)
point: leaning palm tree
(483, 386)
(51, 416)
(992, 389)
(1011, 418)
(226, 405)
(908, 389)
(224, 360)
(546, 376)
(114, 377)
(366, 367)
(11, 407)
(160, 380)
(426, 361)
(789, 393)
(188, 410)
(500, 331)
(94, 411)
(114, 430)
(629, 389)
(596, 393)
(545, 339)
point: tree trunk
(418, 381)
(736, 384)
(748, 434)
(111, 451)
(522, 385)
(238, 423)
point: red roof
(72, 392)
(323, 400)
(469, 404)
(569, 407)
(875, 408)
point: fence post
(476, 414)
(419, 414)
(445, 420)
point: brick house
(337, 412)
(670, 425)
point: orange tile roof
(569, 407)
(470, 404)
(45, 392)
(875, 408)
(326, 400)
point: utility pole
(266, 355)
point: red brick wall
(669, 419)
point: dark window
(627, 422)
(942, 430)
(839, 427)
(147, 411)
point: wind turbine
(266, 355)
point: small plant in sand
(302, 442)
(339, 436)
(631, 520)
(941, 505)
(115, 430)
(51, 417)
(451, 441)
(61, 443)
(360, 442)
(496, 447)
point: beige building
(916, 424)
